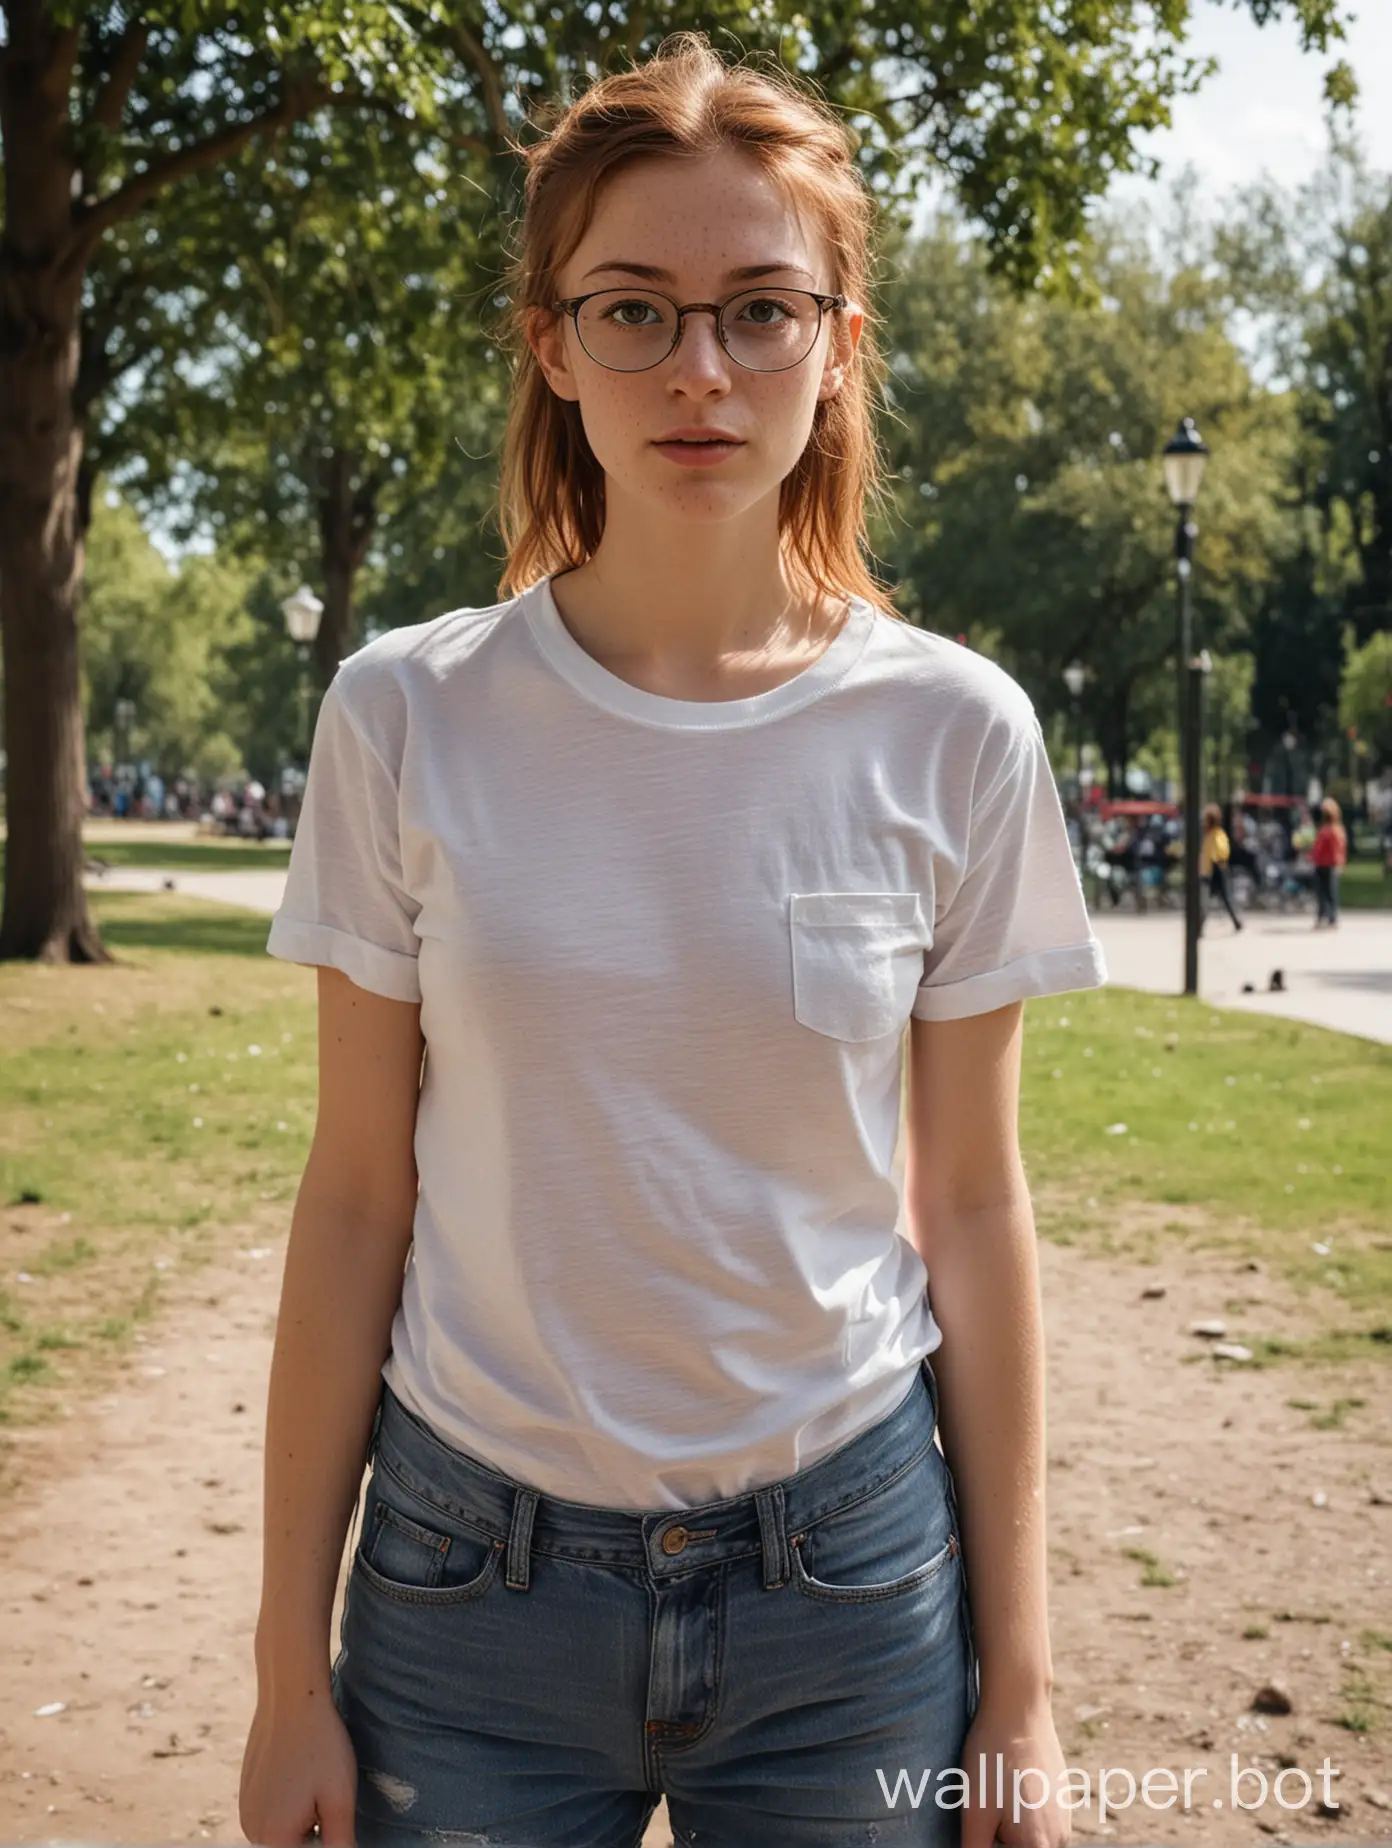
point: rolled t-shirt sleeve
(345, 903)
(1011, 921)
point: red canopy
(1109, 809)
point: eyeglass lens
(764, 329)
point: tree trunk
(1114, 736)
(1374, 611)
(347, 518)
(45, 914)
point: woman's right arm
(349, 1235)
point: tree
(1316, 265)
(1365, 693)
(102, 110)
(1033, 498)
(160, 636)
(345, 357)
(107, 105)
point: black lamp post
(1184, 457)
(1075, 679)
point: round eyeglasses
(764, 330)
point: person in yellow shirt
(1215, 851)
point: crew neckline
(603, 688)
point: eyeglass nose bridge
(697, 307)
(712, 308)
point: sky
(1262, 111)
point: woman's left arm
(970, 1219)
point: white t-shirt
(666, 951)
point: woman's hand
(298, 1770)
(1023, 1735)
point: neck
(694, 598)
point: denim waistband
(670, 1544)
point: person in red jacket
(1329, 853)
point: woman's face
(684, 227)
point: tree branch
(471, 48)
(472, 144)
(110, 105)
(301, 97)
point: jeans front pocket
(857, 960)
(440, 1562)
(889, 1543)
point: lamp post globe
(1183, 459)
(302, 611)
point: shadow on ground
(135, 921)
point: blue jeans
(519, 1670)
(1327, 893)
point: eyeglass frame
(574, 303)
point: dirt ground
(130, 1563)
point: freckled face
(698, 220)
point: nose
(699, 355)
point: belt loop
(773, 1532)
(376, 1421)
(519, 1546)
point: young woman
(655, 865)
(1329, 853)
(1215, 851)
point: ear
(846, 326)
(546, 336)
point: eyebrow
(744, 274)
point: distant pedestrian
(1215, 851)
(1329, 853)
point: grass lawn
(157, 1113)
(150, 1115)
(1267, 1137)
(203, 856)
(1363, 886)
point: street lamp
(125, 718)
(1075, 678)
(302, 610)
(1183, 458)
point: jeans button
(674, 1540)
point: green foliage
(1365, 693)
(346, 351)
(292, 222)
(1227, 719)
(1315, 263)
(1031, 495)
(161, 638)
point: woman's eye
(754, 307)
(620, 308)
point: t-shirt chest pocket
(857, 960)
